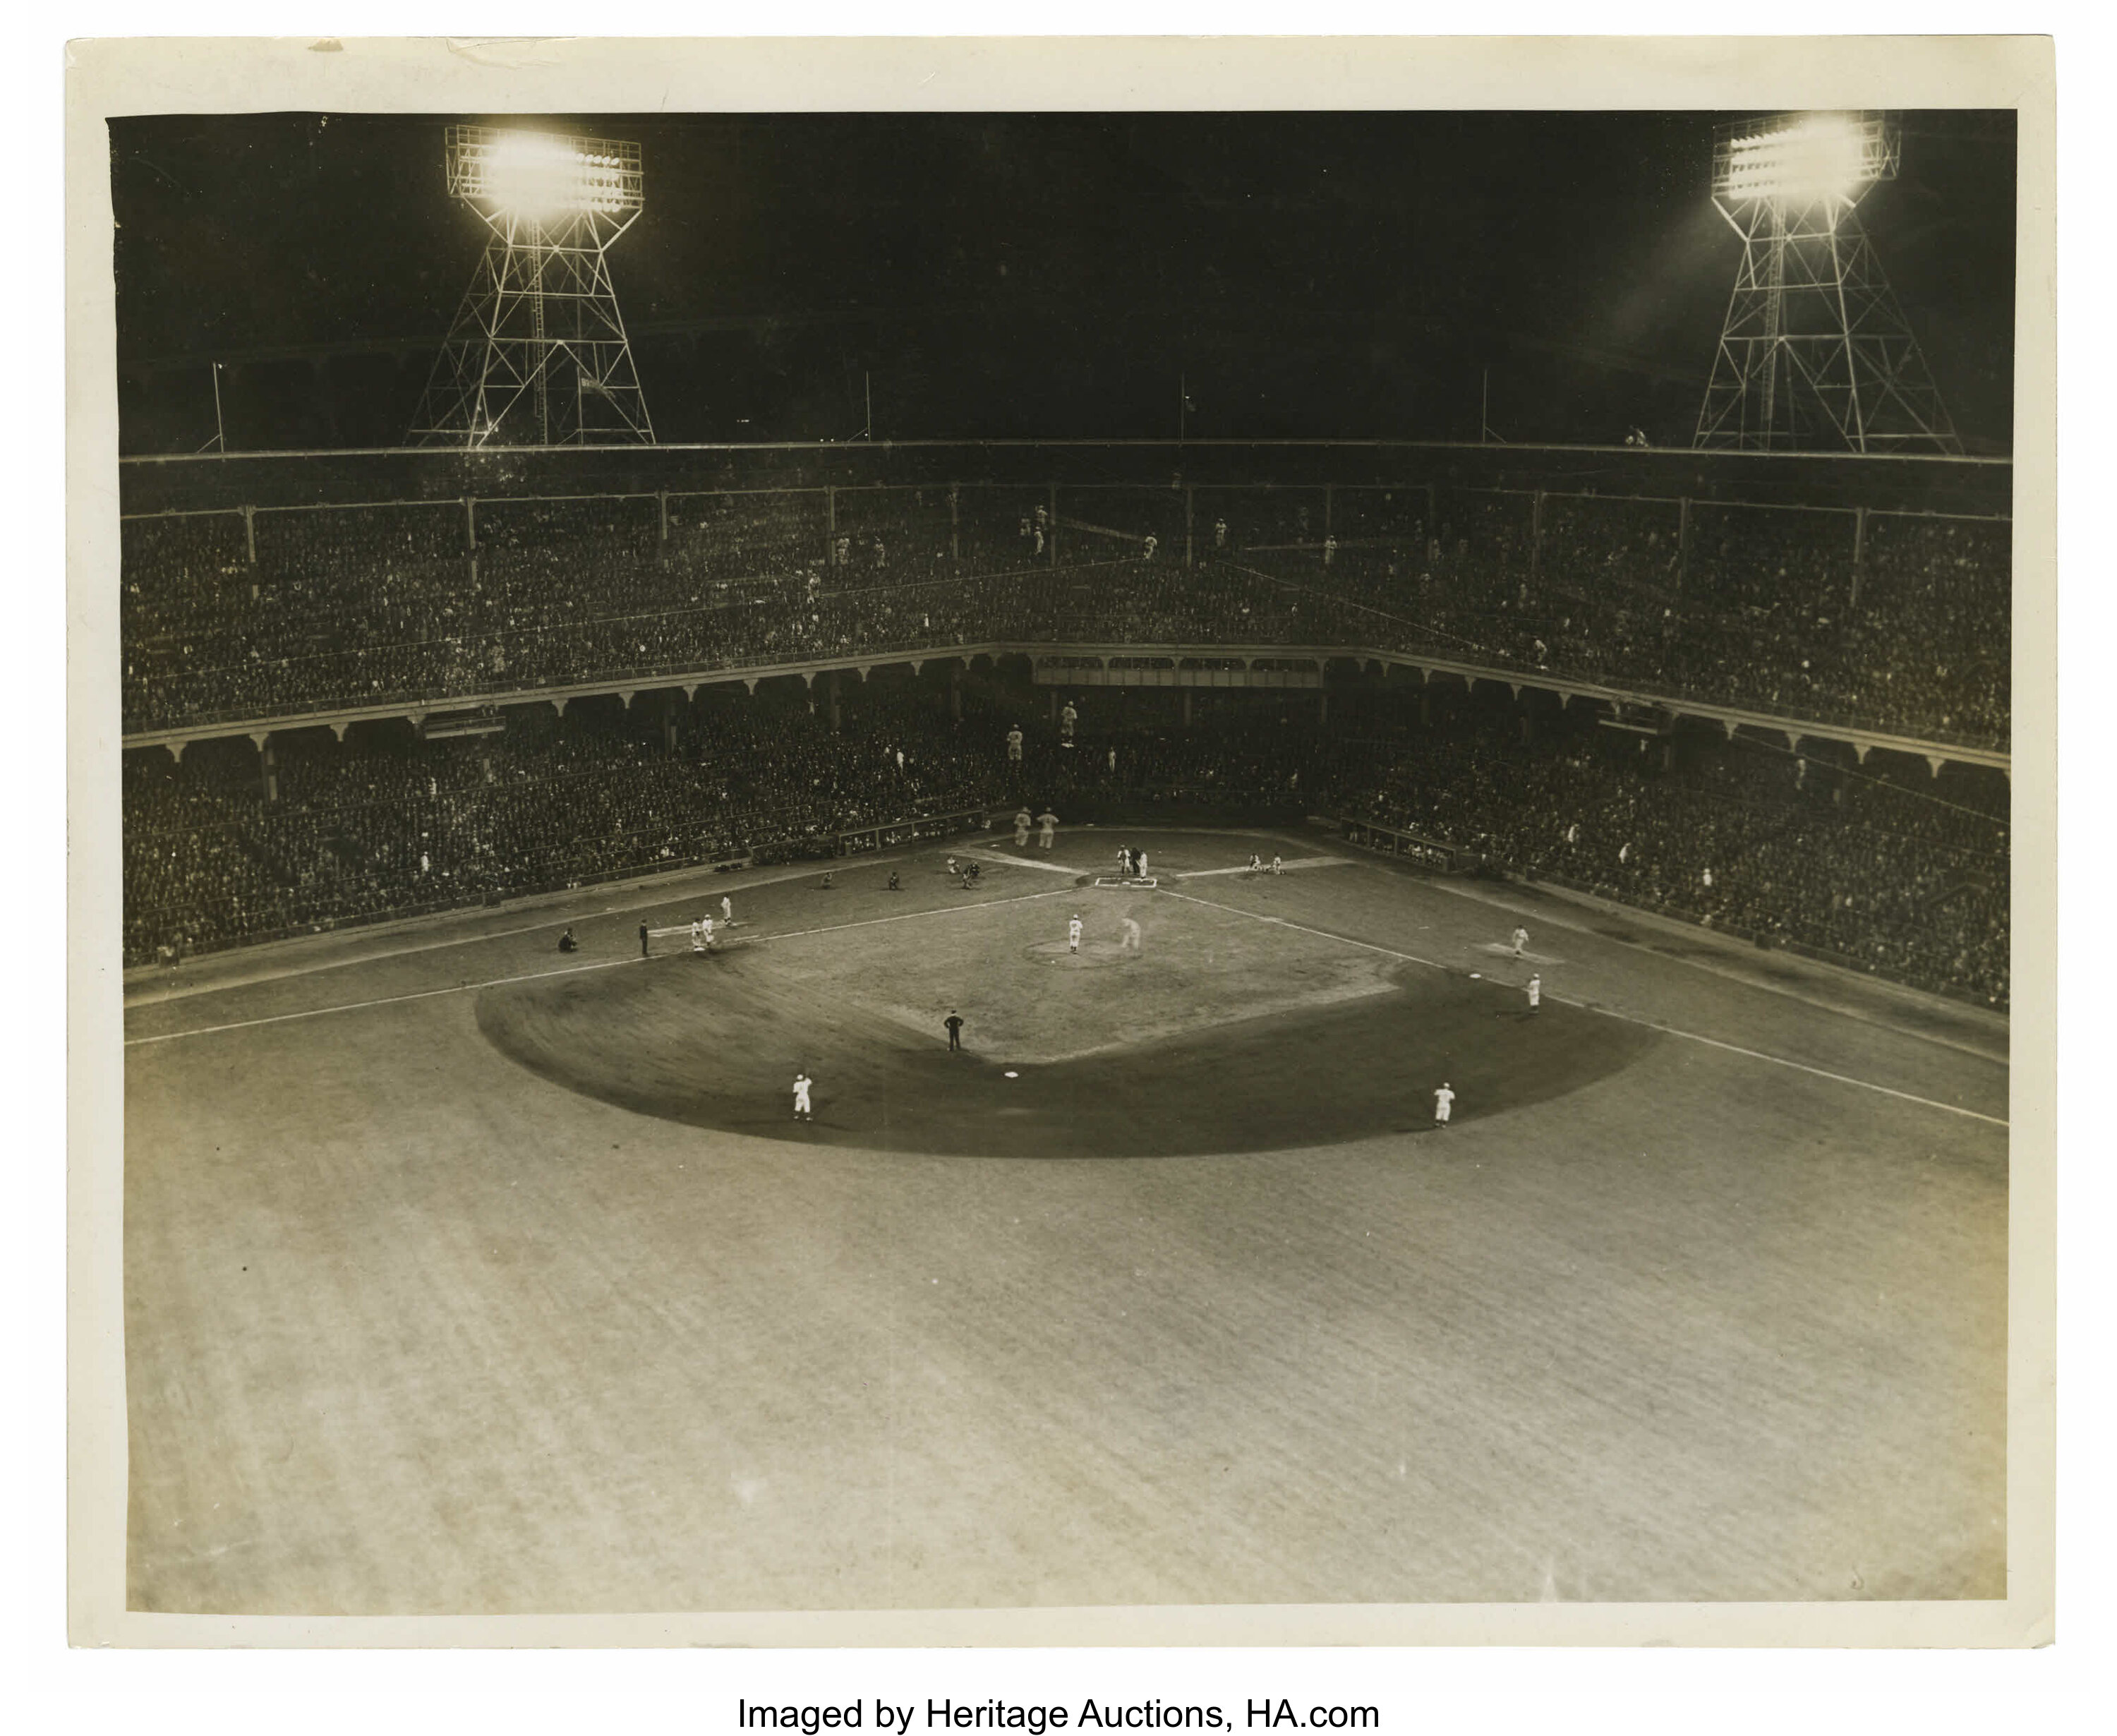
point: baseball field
(466, 1275)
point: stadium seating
(391, 603)
(1907, 876)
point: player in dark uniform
(954, 1022)
(643, 939)
(568, 943)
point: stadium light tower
(1815, 352)
(537, 354)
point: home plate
(1013, 1075)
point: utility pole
(219, 443)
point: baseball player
(1048, 823)
(698, 937)
(1130, 942)
(1444, 1100)
(1139, 862)
(1014, 745)
(1535, 993)
(1022, 823)
(1073, 935)
(802, 1082)
(727, 911)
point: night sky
(1311, 275)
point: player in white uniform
(1014, 745)
(1444, 1100)
(802, 1082)
(1535, 993)
(706, 924)
(1131, 943)
(1048, 828)
(1022, 825)
(1521, 940)
(1276, 864)
(727, 911)
(1256, 863)
(1073, 935)
(698, 937)
(1139, 863)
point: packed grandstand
(1785, 718)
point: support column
(1051, 698)
(250, 534)
(955, 526)
(832, 698)
(1682, 543)
(1425, 706)
(830, 527)
(1187, 525)
(1187, 707)
(267, 765)
(662, 502)
(1322, 706)
(1859, 550)
(1535, 537)
(470, 524)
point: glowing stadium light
(1804, 158)
(537, 352)
(542, 175)
(1815, 352)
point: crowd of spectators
(1760, 608)
(388, 823)
(1906, 876)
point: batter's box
(1127, 881)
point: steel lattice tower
(1816, 353)
(537, 354)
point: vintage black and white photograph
(1040, 859)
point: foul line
(1632, 1019)
(570, 970)
(386, 1001)
(1266, 874)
